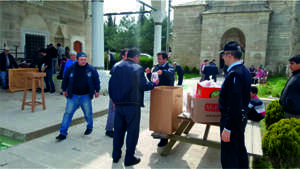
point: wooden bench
(252, 137)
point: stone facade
(64, 22)
(268, 31)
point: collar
(296, 72)
(165, 64)
(234, 64)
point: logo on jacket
(89, 74)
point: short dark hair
(58, 44)
(254, 90)
(42, 50)
(295, 59)
(163, 54)
(133, 52)
(123, 52)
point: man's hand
(65, 94)
(157, 81)
(45, 67)
(225, 136)
(148, 70)
(159, 72)
(96, 95)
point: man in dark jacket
(126, 89)
(211, 70)
(180, 72)
(166, 76)
(81, 82)
(233, 104)
(7, 61)
(290, 95)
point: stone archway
(232, 34)
(77, 46)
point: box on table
(205, 110)
(165, 106)
(207, 92)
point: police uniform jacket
(290, 95)
(128, 83)
(234, 97)
(167, 77)
(210, 70)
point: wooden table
(34, 80)
(252, 137)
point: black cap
(232, 46)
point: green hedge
(281, 143)
(274, 113)
(146, 62)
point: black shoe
(46, 90)
(109, 134)
(116, 160)
(60, 137)
(163, 142)
(88, 131)
(53, 91)
(133, 162)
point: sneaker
(88, 131)
(133, 162)
(163, 142)
(109, 133)
(60, 137)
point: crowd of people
(238, 100)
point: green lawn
(273, 88)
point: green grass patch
(273, 88)
(6, 142)
(191, 75)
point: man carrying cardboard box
(233, 103)
(166, 75)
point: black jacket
(179, 70)
(210, 70)
(168, 75)
(12, 62)
(128, 83)
(234, 97)
(290, 95)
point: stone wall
(53, 19)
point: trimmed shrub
(274, 113)
(195, 70)
(186, 69)
(146, 62)
(281, 144)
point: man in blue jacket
(233, 104)
(126, 89)
(81, 82)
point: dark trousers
(127, 119)
(180, 79)
(49, 81)
(234, 153)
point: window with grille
(32, 44)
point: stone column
(97, 34)
(157, 16)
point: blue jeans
(49, 81)
(110, 117)
(73, 104)
(54, 60)
(3, 77)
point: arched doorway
(77, 46)
(234, 34)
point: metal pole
(168, 26)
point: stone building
(268, 31)
(30, 24)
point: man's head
(81, 58)
(123, 54)
(6, 51)
(73, 55)
(134, 55)
(162, 58)
(294, 63)
(232, 52)
(253, 91)
(58, 45)
(174, 63)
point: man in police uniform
(166, 75)
(126, 89)
(233, 102)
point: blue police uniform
(126, 88)
(233, 102)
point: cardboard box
(205, 110)
(207, 92)
(165, 106)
